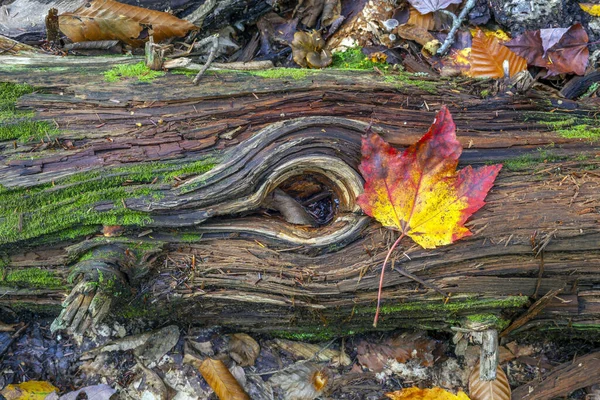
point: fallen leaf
(488, 56)
(428, 6)
(306, 351)
(414, 32)
(425, 21)
(95, 392)
(529, 46)
(590, 8)
(419, 192)
(221, 380)
(108, 20)
(308, 50)
(30, 390)
(498, 389)
(498, 33)
(436, 393)
(570, 54)
(551, 36)
(303, 381)
(243, 349)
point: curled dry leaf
(243, 349)
(497, 389)
(488, 56)
(414, 32)
(304, 381)
(221, 380)
(308, 50)
(108, 20)
(436, 393)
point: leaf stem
(387, 257)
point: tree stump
(154, 198)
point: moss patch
(580, 132)
(33, 278)
(139, 71)
(9, 94)
(27, 130)
(65, 208)
(354, 58)
(452, 307)
(284, 73)
(526, 161)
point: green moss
(283, 73)
(191, 237)
(557, 124)
(484, 93)
(315, 334)
(580, 132)
(9, 94)
(404, 78)
(354, 58)
(489, 319)
(34, 278)
(527, 161)
(139, 71)
(66, 208)
(27, 130)
(452, 307)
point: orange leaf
(221, 381)
(109, 20)
(30, 390)
(419, 192)
(488, 56)
(498, 389)
(436, 393)
(424, 21)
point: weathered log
(185, 170)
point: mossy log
(167, 183)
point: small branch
(488, 359)
(457, 21)
(214, 41)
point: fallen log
(156, 198)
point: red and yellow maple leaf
(419, 192)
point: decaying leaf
(401, 348)
(488, 56)
(221, 380)
(419, 192)
(108, 19)
(30, 390)
(498, 389)
(301, 382)
(436, 393)
(414, 32)
(308, 50)
(428, 6)
(560, 50)
(243, 349)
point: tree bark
(198, 246)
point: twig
(214, 41)
(531, 312)
(455, 25)
(10, 48)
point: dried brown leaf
(425, 21)
(222, 381)
(414, 32)
(109, 20)
(488, 56)
(243, 349)
(306, 351)
(301, 381)
(498, 389)
(428, 6)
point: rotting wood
(563, 379)
(224, 259)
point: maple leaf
(427, 6)
(419, 192)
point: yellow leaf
(498, 33)
(222, 381)
(436, 393)
(592, 9)
(31, 390)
